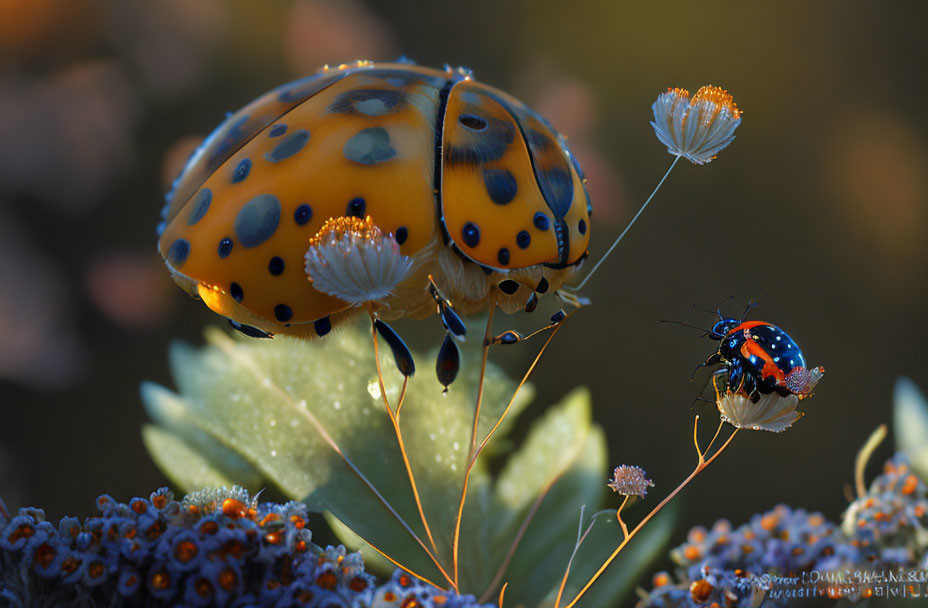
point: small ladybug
(761, 358)
(391, 188)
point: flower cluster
(629, 480)
(883, 530)
(213, 548)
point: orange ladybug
(357, 187)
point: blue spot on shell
(356, 207)
(257, 220)
(503, 256)
(283, 313)
(581, 226)
(225, 247)
(322, 326)
(241, 170)
(471, 234)
(200, 206)
(178, 252)
(523, 239)
(303, 214)
(370, 102)
(277, 130)
(159, 229)
(402, 233)
(501, 185)
(480, 146)
(541, 221)
(557, 186)
(235, 290)
(369, 147)
(288, 146)
(276, 265)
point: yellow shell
(474, 186)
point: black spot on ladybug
(369, 147)
(178, 252)
(370, 102)
(227, 138)
(473, 122)
(542, 286)
(541, 221)
(200, 206)
(257, 220)
(225, 247)
(356, 207)
(523, 239)
(401, 235)
(288, 146)
(283, 313)
(303, 214)
(503, 256)
(470, 234)
(508, 287)
(241, 170)
(322, 326)
(235, 290)
(277, 130)
(581, 226)
(501, 185)
(275, 266)
(478, 147)
(538, 141)
(557, 186)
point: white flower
(771, 412)
(351, 259)
(698, 128)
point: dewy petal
(695, 128)
(351, 259)
(771, 412)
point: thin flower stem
(249, 365)
(580, 539)
(700, 467)
(630, 224)
(863, 457)
(473, 459)
(401, 566)
(402, 399)
(483, 373)
(618, 516)
(399, 439)
(515, 541)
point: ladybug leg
(512, 337)
(449, 319)
(714, 359)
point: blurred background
(821, 203)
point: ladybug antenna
(752, 304)
(718, 308)
(705, 332)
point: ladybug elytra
(469, 187)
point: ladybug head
(721, 329)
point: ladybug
(475, 193)
(760, 358)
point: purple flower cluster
(213, 548)
(883, 530)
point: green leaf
(308, 416)
(562, 464)
(910, 424)
(186, 466)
